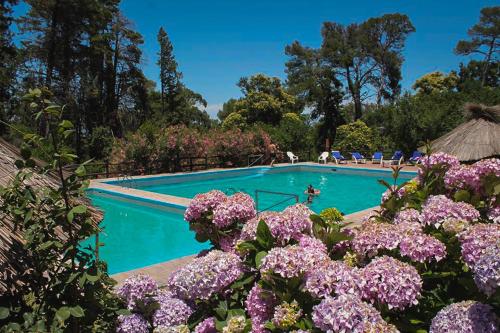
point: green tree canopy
(484, 39)
(265, 99)
(314, 83)
(356, 136)
(368, 56)
(436, 82)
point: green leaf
(235, 313)
(264, 236)
(70, 216)
(76, 311)
(123, 312)
(80, 171)
(4, 313)
(92, 278)
(63, 313)
(80, 209)
(258, 258)
(221, 309)
(462, 195)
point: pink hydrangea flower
(487, 270)
(465, 317)
(374, 236)
(389, 281)
(332, 277)
(290, 224)
(203, 203)
(494, 214)
(407, 215)
(206, 326)
(172, 311)
(422, 248)
(205, 276)
(133, 323)
(438, 208)
(136, 288)
(259, 305)
(347, 313)
(292, 260)
(239, 207)
(476, 240)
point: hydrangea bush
(428, 261)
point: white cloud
(212, 109)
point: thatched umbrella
(477, 138)
(12, 253)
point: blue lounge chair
(358, 158)
(377, 157)
(397, 158)
(416, 157)
(337, 157)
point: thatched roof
(477, 138)
(13, 258)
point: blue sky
(217, 42)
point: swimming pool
(141, 231)
(135, 235)
(347, 189)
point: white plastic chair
(293, 158)
(323, 157)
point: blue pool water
(347, 192)
(136, 236)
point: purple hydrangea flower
(133, 323)
(487, 270)
(476, 240)
(408, 215)
(206, 326)
(422, 248)
(332, 277)
(438, 161)
(172, 311)
(205, 275)
(292, 260)
(203, 203)
(259, 305)
(389, 281)
(292, 223)
(462, 177)
(239, 207)
(228, 243)
(494, 214)
(374, 236)
(347, 313)
(136, 288)
(465, 317)
(438, 209)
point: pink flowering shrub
(428, 261)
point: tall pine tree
(169, 75)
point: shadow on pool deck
(160, 272)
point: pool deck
(160, 272)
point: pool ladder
(289, 196)
(128, 181)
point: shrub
(355, 136)
(61, 287)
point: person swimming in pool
(310, 189)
